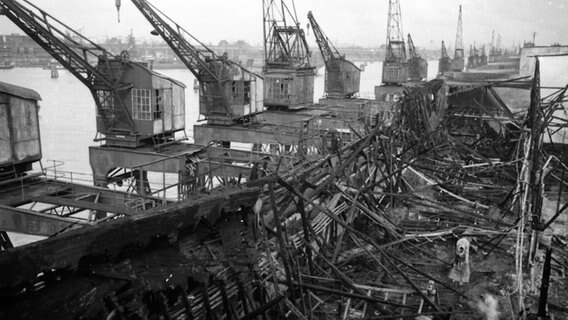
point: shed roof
(159, 75)
(18, 91)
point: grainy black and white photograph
(283, 160)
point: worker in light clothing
(461, 269)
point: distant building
(22, 50)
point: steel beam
(33, 223)
(73, 203)
(216, 169)
(169, 160)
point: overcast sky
(357, 22)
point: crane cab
(395, 72)
(288, 88)
(342, 79)
(20, 144)
(417, 69)
(237, 94)
(146, 108)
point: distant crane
(498, 49)
(458, 62)
(483, 58)
(106, 76)
(342, 77)
(459, 55)
(227, 91)
(288, 75)
(417, 66)
(491, 52)
(394, 65)
(444, 63)
(477, 57)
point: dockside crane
(498, 50)
(288, 75)
(458, 62)
(342, 77)
(444, 63)
(394, 66)
(228, 92)
(417, 66)
(124, 113)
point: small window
(235, 90)
(392, 72)
(141, 108)
(246, 92)
(280, 88)
(159, 101)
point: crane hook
(118, 9)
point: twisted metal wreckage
(361, 229)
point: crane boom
(459, 51)
(284, 40)
(193, 58)
(395, 41)
(444, 51)
(445, 63)
(75, 53)
(60, 44)
(417, 66)
(328, 51)
(216, 74)
(411, 49)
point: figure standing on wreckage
(461, 269)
